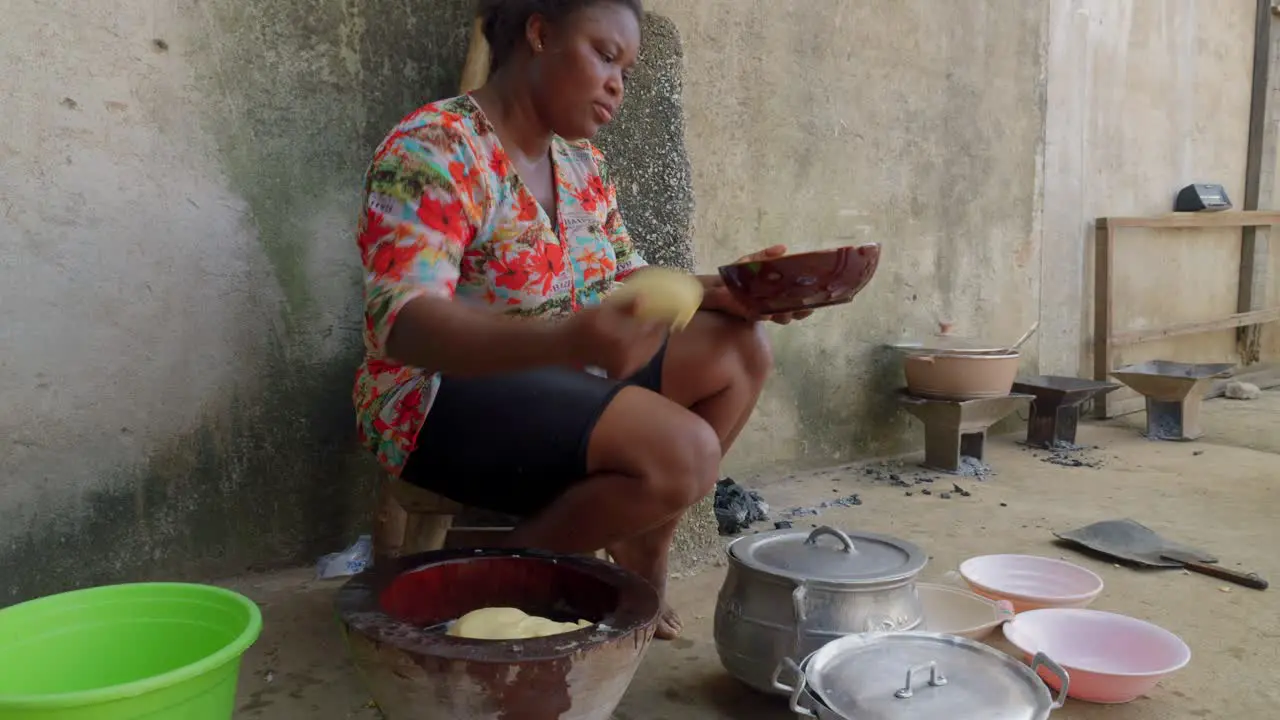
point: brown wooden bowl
(804, 281)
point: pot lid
(829, 555)
(952, 346)
(928, 676)
(945, 342)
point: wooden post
(390, 525)
(1103, 314)
(1259, 180)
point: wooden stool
(412, 520)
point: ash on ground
(896, 474)
(737, 507)
(974, 468)
(920, 482)
(1070, 455)
(847, 501)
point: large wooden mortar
(392, 617)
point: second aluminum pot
(790, 592)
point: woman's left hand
(719, 298)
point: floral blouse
(446, 215)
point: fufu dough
(505, 623)
(665, 295)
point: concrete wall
(1147, 96)
(915, 124)
(179, 294)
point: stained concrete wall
(179, 294)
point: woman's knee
(687, 462)
(744, 343)
(755, 352)
(673, 453)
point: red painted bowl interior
(446, 591)
(804, 280)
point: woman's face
(580, 73)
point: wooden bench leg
(389, 526)
(398, 532)
(426, 532)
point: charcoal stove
(1175, 393)
(1055, 411)
(956, 429)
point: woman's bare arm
(445, 335)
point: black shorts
(514, 443)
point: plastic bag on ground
(351, 561)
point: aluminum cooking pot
(789, 592)
(917, 676)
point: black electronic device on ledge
(1202, 197)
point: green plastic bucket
(146, 651)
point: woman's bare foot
(669, 624)
(651, 564)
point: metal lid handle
(936, 679)
(1042, 660)
(845, 540)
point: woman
(490, 235)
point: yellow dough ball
(505, 623)
(665, 295)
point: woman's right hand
(611, 336)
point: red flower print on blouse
(466, 178)
(528, 208)
(407, 406)
(511, 273)
(444, 217)
(547, 261)
(498, 163)
(591, 194)
(392, 260)
(375, 230)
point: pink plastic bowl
(1110, 658)
(1031, 582)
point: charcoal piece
(736, 507)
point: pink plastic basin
(1110, 658)
(1031, 582)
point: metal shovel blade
(1132, 542)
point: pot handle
(1042, 660)
(845, 540)
(801, 614)
(797, 692)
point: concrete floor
(1216, 494)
